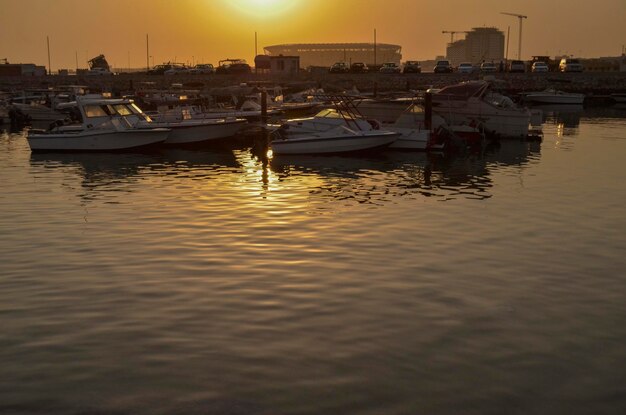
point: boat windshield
(122, 110)
(106, 110)
(93, 111)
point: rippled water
(206, 282)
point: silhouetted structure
(325, 54)
(481, 44)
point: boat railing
(345, 106)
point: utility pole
(508, 35)
(147, 53)
(374, 48)
(49, 65)
(520, 17)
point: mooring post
(264, 106)
(428, 111)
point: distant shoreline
(589, 83)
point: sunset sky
(210, 30)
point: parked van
(517, 66)
(570, 65)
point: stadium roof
(333, 45)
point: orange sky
(210, 30)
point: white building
(480, 45)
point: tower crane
(519, 46)
(453, 32)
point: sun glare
(262, 8)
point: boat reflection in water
(103, 172)
(376, 179)
(380, 178)
(565, 117)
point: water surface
(210, 281)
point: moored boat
(97, 124)
(188, 130)
(474, 103)
(553, 96)
(332, 130)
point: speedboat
(330, 131)
(187, 129)
(95, 123)
(552, 96)
(474, 103)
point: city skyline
(210, 30)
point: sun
(262, 8)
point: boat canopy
(463, 91)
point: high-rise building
(481, 44)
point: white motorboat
(249, 110)
(187, 129)
(97, 124)
(473, 103)
(552, 96)
(330, 131)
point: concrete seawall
(590, 83)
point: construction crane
(453, 32)
(519, 46)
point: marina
(287, 207)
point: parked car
(359, 67)
(160, 69)
(176, 69)
(389, 67)
(412, 67)
(465, 67)
(233, 67)
(540, 67)
(339, 67)
(517, 66)
(443, 66)
(99, 72)
(202, 68)
(570, 65)
(488, 67)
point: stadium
(325, 54)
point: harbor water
(213, 281)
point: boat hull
(411, 139)
(203, 131)
(96, 140)
(337, 144)
(574, 99)
(505, 124)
